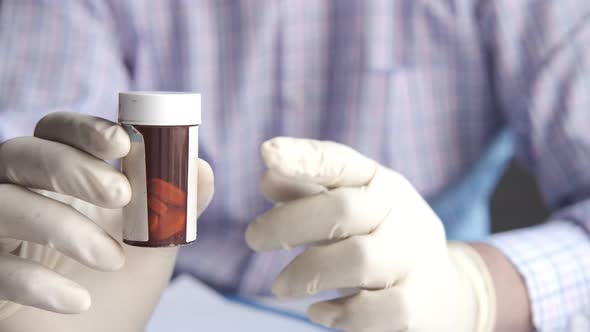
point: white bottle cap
(160, 108)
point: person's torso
(404, 82)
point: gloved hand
(74, 208)
(369, 230)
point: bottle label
(193, 169)
(135, 214)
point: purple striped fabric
(421, 86)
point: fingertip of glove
(100, 251)
(280, 288)
(269, 151)
(116, 258)
(322, 313)
(85, 300)
(206, 174)
(281, 153)
(75, 299)
(252, 238)
(116, 141)
(117, 191)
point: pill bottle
(161, 167)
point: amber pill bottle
(161, 167)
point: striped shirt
(427, 87)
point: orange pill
(170, 223)
(167, 192)
(156, 205)
(153, 223)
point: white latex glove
(370, 231)
(77, 213)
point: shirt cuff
(554, 260)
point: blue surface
(251, 303)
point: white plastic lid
(160, 108)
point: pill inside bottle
(161, 167)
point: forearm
(513, 311)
